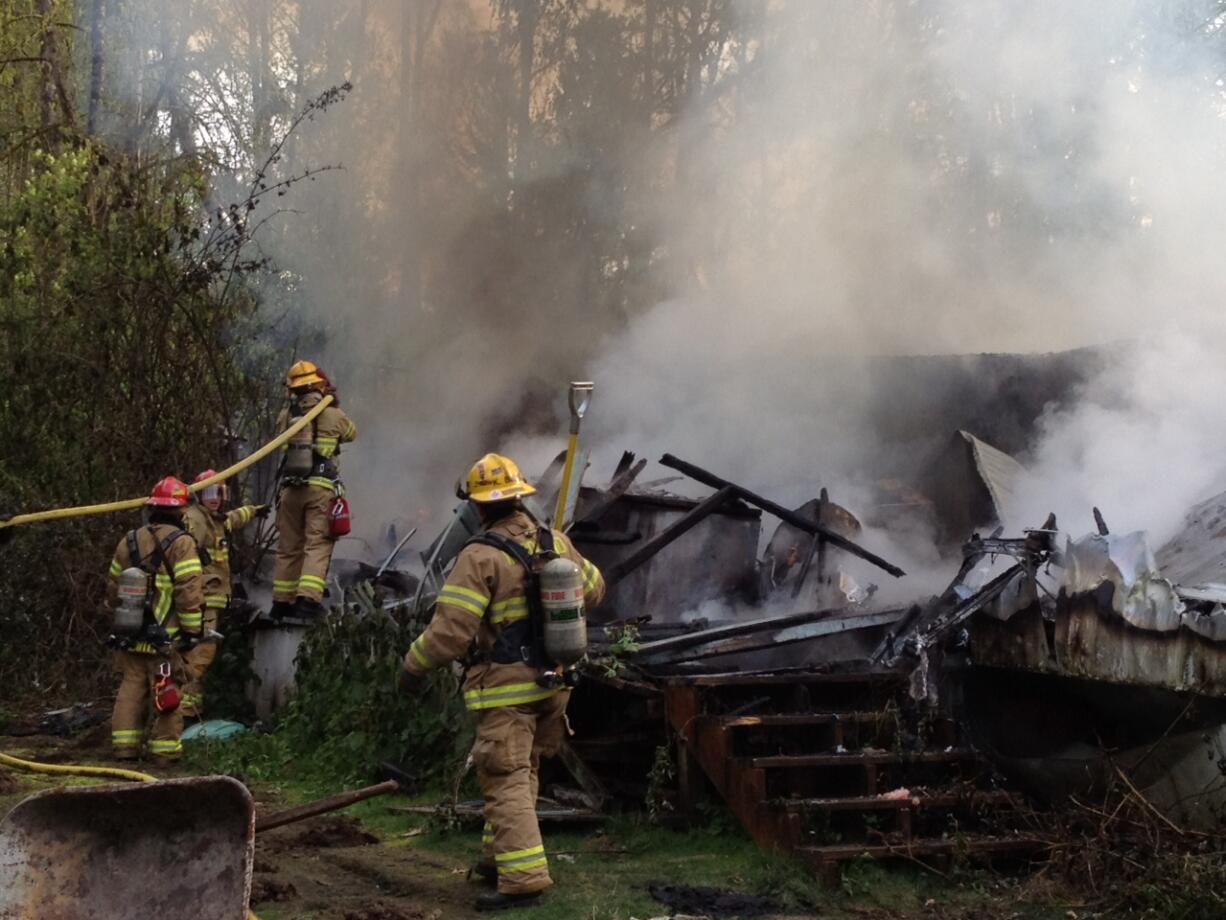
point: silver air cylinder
(565, 619)
(299, 452)
(130, 613)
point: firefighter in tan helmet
(155, 593)
(512, 684)
(310, 484)
(211, 528)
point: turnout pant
(196, 664)
(134, 704)
(304, 547)
(511, 740)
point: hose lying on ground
(69, 769)
(130, 503)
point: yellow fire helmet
(302, 374)
(495, 478)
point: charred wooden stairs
(829, 767)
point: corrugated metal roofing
(999, 472)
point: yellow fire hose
(128, 504)
(69, 769)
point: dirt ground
(373, 862)
(331, 868)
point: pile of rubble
(834, 725)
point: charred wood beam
(617, 488)
(758, 634)
(606, 537)
(1100, 523)
(683, 525)
(817, 547)
(922, 632)
(588, 781)
(947, 621)
(920, 627)
(700, 475)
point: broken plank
(920, 800)
(588, 781)
(962, 844)
(706, 478)
(859, 758)
(678, 528)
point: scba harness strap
(523, 641)
(150, 564)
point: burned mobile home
(743, 651)
(750, 674)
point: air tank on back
(299, 452)
(565, 624)
(130, 612)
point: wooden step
(931, 800)
(920, 846)
(858, 758)
(799, 718)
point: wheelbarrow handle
(322, 806)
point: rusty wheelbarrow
(182, 847)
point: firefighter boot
(496, 900)
(485, 873)
(281, 609)
(307, 609)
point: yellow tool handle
(572, 448)
(130, 503)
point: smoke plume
(737, 238)
(890, 179)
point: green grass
(602, 872)
(612, 866)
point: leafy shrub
(347, 715)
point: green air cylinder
(565, 624)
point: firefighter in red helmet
(156, 594)
(211, 527)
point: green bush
(347, 715)
(114, 332)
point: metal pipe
(392, 555)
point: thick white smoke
(892, 178)
(848, 178)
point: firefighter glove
(409, 683)
(188, 641)
(261, 511)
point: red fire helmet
(216, 491)
(169, 493)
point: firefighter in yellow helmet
(310, 483)
(211, 528)
(520, 717)
(156, 592)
